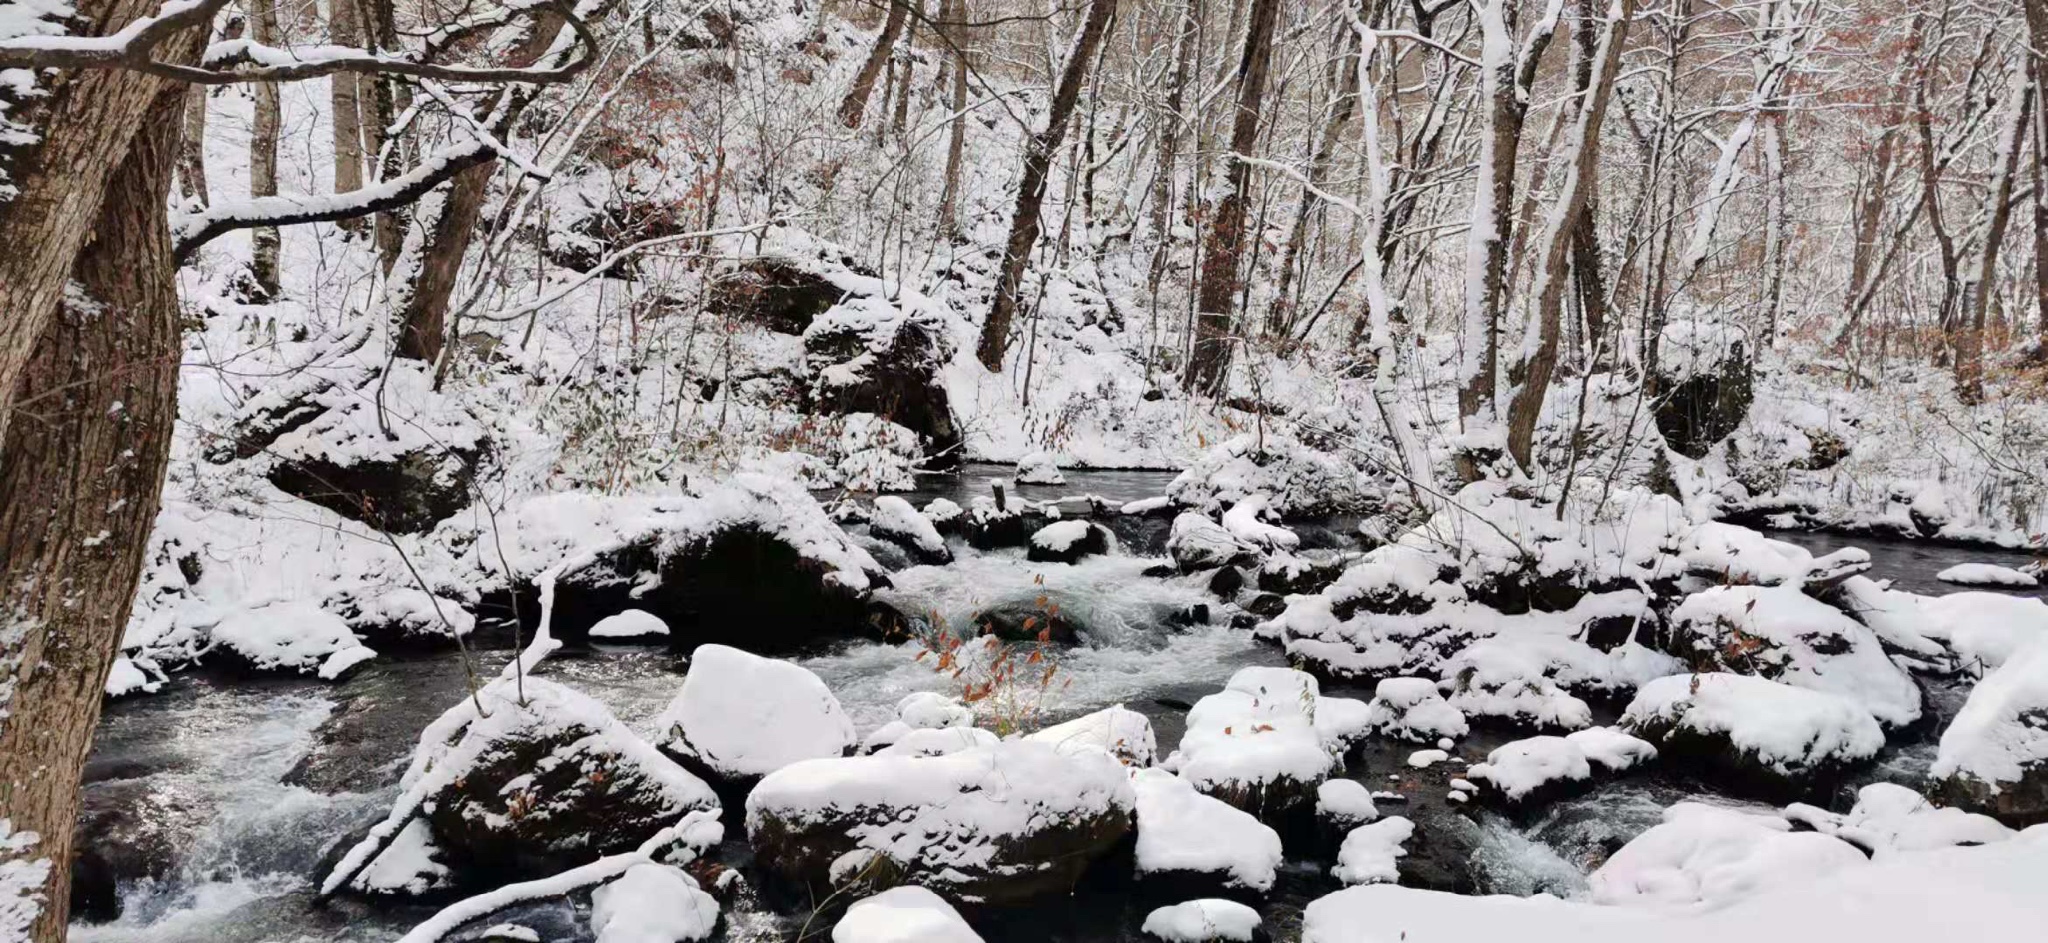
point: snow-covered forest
(934, 471)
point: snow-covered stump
(524, 778)
(1192, 845)
(894, 520)
(903, 915)
(754, 562)
(1208, 920)
(1068, 541)
(740, 717)
(1993, 757)
(1784, 635)
(1751, 735)
(1536, 771)
(1001, 824)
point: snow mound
(1520, 768)
(1730, 553)
(1186, 835)
(938, 741)
(1117, 730)
(1783, 634)
(1986, 574)
(1344, 804)
(1199, 543)
(633, 623)
(1744, 725)
(894, 519)
(1372, 853)
(1994, 756)
(1411, 709)
(1299, 481)
(1243, 523)
(1210, 920)
(1256, 744)
(1038, 468)
(652, 903)
(1704, 856)
(742, 716)
(288, 636)
(1981, 629)
(1890, 818)
(906, 914)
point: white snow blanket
(652, 903)
(1998, 738)
(1181, 831)
(1411, 709)
(1258, 731)
(743, 715)
(1344, 804)
(1790, 637)
(906, 914)
(1790, 730)
(1986, 574)
(895, 519)
(1704, 856)
(1210, 920)
(633, 623)
(1890, 818)
(1372, 854)
(1117, 730)
(291, 636)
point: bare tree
(263, 129)
(953, 13)
(853, 108)
(1209, 367)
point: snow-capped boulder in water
(1412, 709)
(1994, 756)
(1243, 522)
(1344, 804)
(1038, 468)
(1209, 920)
(1001, 824)
(288, 637)
(906, 914)
(923, 710)
(652, 903)
(740, 717)
(896, 521)
(1372, 854)
(1119, 731)
(1300, 482)
(1067, 541)
(1987, 574)
(1706, 856)
(1197, 844)
(1752, 735)
(1257, 744)
(1730, 553)
(752, 561)
(631, 625)
(1784, 635)
(1537, 770)
(1199, 543)
(1889, 818)
(525, 787)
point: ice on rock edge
(743, 715)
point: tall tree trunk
(954, 15)
(343, 30)
(2037, 31)
(1538, 361)
(192, 148)
(378, 21)
(81, 469)
(263, 131)
(1977, 296)
(1038, 155)
(85, 120)
(1280, 318)
(1930, 193)
(853, 108)
(1209, 368)
(1173, 127)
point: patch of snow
(1986, 574)
(633, 623)
(743, 715)
(1211, 920)
(1119, 731)
(1181, 831)
(652, 903)
(908, 914)
(1705, 856)
(1372, 854)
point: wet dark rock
(407, 494)
(775, 293)
(889, 369)
(127, 832)
(1697, 413)
(1226, 582)
(1265, 605)
(1023, 622)
(1057, 547)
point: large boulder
(1117, 730)
(287, 637)
(896, 521)
(399, 477)
(1783, 634)
(783, 295)
(1199, 543)
(1705, 385)
(1993, 757)
(1199, 845)
(1258, 745)
(1751, 735)
(1705, 856)
(1297, 481)
(740, 717)
(652, 903)
(868, 354)
(1537, 770)
(1068, 541)
(1002, 823)
(524, 779)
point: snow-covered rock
(938, 741)
(1197, 542)
(1001, 823)
(1411, 709)
(896, 521)
(1209, 920)
(631, 624)
(1980, 629)
(124, 677)
(525, 776)
(1889, 818)
(1198, 843)
(1728, 553)
(1993, 757)
(1782, 634)
(907, 914)
(1706, 856)
(922, 710)
(1372, 853)
(1754, 734)
(1537, 769)
(652, 903)
(1117, 730)
(1986, 574)
(1244, 523)
(296, 637)
(1300, 481)
(740, 717)
(1038, 468)
(1344, 804)
(1256, 744)
(1068, 541)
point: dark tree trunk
(80, 472)
(1209, 367)
(953, 13)
(1038, 155)
(854, 106)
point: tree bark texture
(1209, 367)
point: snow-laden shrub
(1297, 481)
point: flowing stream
(212, 787)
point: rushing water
(213, 785)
